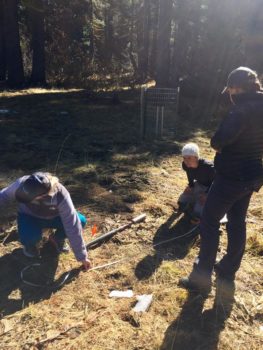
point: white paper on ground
(121, 293)
(144, 302)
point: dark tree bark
(13, 56)
(154, 27)
(143, 42)
(132, 35)
(36, 24)
(132, 38)
(180, 51)
(91, 31)
(2, 44)
(163, 47)
(108, 18)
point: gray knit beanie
(190, 149)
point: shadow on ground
(68, 130)
(15, 294)
(183, 233)
(86, 125)
(197, 329)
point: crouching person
(43, 202)
(200, 174)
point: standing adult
(238, 162)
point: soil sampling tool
(111, 233)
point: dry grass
(111, 185)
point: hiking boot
(203, 288)
(60, 245)
(31, 251)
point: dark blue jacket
(204, 174)
(239, 140)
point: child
(43, 202)
(200, 174)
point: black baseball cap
(240, 77)
(35, 185)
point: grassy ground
(92, 144)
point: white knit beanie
(190, 149)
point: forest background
(95, 44)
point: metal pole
(111, 233)
(162, 118)
(142, 113)
(176, 109)
(157, 121)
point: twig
(58, 335)
(50, 339)
(60, 151)
(7, 236)
(10, 232)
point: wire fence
(159, 111)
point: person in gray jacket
(43, 202)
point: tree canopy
(90, 42)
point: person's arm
(73, 228)
(229, 131)
(8, 194)
(189, 176)
(211, 175)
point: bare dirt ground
(93, 147)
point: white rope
(173, 239)
(93, 268)
(65, 277)
(41, 285)
(106, 265)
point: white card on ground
(121, 293)
(144, 302)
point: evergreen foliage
(92, 43)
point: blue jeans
(30, 228)
(231, 197)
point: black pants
(229, 197)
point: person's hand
(202, 198)
(188, 189)
(218, 150)
(86, 264)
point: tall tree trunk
(132, 32)
(36, 23)
(91, 31)
(12, 44)
(143, 43)
(154, 25)
(163, 47)
(182, 30)
(108, 17)
(2, 44)
(155, 7)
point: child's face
(191, 161)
